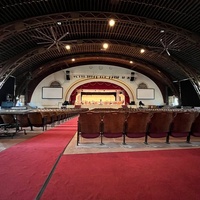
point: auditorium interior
(112, 64)
(99, 56)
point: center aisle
(25, 166)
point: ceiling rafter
(82, 16)
(138, 25)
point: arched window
(142, 86)
(55, 84)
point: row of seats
(113, 124)
(36, 118)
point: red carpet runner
(153, 175)
(25, 167)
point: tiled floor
(132, 144)
(110, 144)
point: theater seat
(89, 125)
(181, 125)
(159, 125)
(23, 121)
(195, 130)
(114, 124)
(38, 120)
(137, 124)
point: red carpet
(25, 167)
(153, 175)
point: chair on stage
(89, 125)
(181, 124)
(114, 124)
(159, 125)
(136, 125)
(195, 130)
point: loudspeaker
(67, 75)
(132, 76)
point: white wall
(106, 71)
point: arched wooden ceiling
(27, 26)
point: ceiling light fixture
(142, 51)
(111, 22)
(68, 47)
(105, 45)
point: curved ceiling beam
(22, 59)
(138, 65)
(12, 65)
(129, 51)
(9, 29)
(192, 75)
(141, 66)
